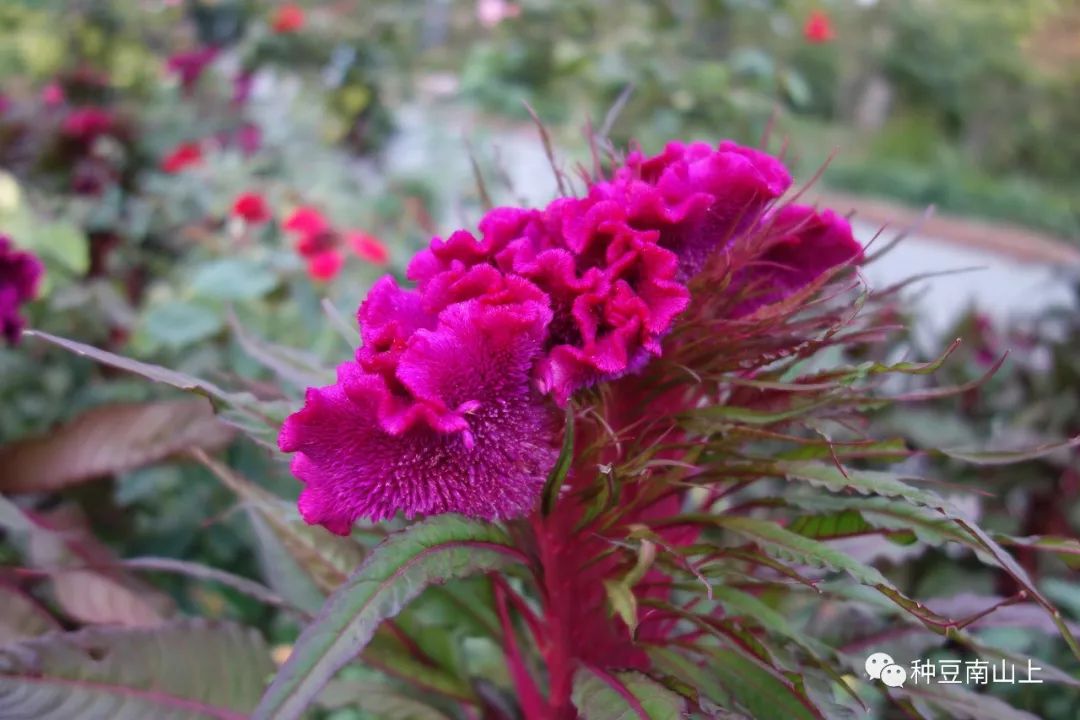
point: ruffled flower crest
(451, 403)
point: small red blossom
(288, 18)
(818, 28)
(183, 156)
(306, 221)
(251, 207)
(368, 247)
(324, 266)
(316, 242)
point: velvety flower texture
(451, 404)
(20, 275)
(436, 415)
(613, 289)
(698, 198)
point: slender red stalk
(532, 703)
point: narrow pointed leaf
(1008, 457)
(188, 670)
(146, 370)
(764, 695)
(398, 570)
(107, 440)
(21, 616)
(599, 695)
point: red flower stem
(554, 644)
(532, 703)
(521, 606)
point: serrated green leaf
(186, 670)
(434, 551)
(1008, 457)
(764, 695)
(1066, 549)
(786, 545)
(866, 482)
(599, 695)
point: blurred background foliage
(970, 105)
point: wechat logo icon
(881, 666)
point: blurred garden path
(1011, 273)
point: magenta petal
(698, 198)
(390, 314)
(478, 438)
(800, 244)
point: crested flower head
(451, 404)
(20, 276)
(437, 414)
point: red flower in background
(183, 156)
(325, 265)
(288, 18)
(307, 222)
(818, 28)
(322, 246)
(251, 207)
(368, 247)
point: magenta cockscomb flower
(20, 276)
(438, 414)
(698, 198)
(798, 245)
(451, 403)
(612, 288)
